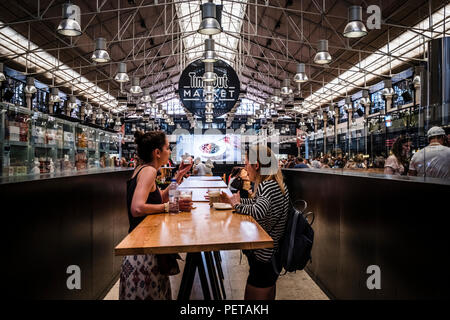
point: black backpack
(294, 250)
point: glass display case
(35, 143)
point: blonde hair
(270, 172)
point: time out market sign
(226, 88)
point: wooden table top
(203, 184)
(203, 229)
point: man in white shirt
(199, 168)
(434, 159)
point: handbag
(168, 264)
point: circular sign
(226, 88)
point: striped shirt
(269, 207)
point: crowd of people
(431, 161)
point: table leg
(212, 276)
(194, 261)
(218, 260)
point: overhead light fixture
(416, 80)
(300, 76)
(286, 88)
(209, 105)
(387, 91)
(121, 75)
(209, 25)
(100, 115)
(209, 97)
(277, 96)
(365, 100)
(70, 25)
(54, 96)
(30, 87)
(135, 86)
(322, 55)
(72, 103)
(355, 28)
(100, 54)
(348, 103)
(146, 97)
(209, 54)
(209, 75)
(2, 75)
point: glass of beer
(185, 200)
(214, 196)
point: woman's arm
(179, 177)
(145, 182)
(258, 210)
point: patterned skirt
(140, 279)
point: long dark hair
(397, 149)
(147, 143)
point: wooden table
(200, 233)
(192, 184)
(198, 195)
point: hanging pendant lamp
(209, 54)
(209, 25)
(286, 88)
(355, 28)
(70, 25)
(135, 86)
(2, 75)
(121, 75)
(322, 55)
(54, 96)
(209, 75)
(30, 88)
(100, 54)
(300, 76)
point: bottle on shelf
(173, 197)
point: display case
(35, 143)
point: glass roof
(189, 15)
(408, 45)
(12, 42)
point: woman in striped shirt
(269, 207)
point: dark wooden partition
(54, 223)
(400, 225)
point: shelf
(17, 143)
(45, 146)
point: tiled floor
(292, 286)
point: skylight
(189, 15)
(12, 42)
(408, 45)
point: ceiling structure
(262, 39)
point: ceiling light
(209, 105)
(54, 96)
(100, 54)
(209, 75)
(146, 97)
(118, 123)
(100, 115)
(388, 91)
(210, 54)
(121, 75)
(209, 97)
(355, 28)
(70, 25)
(30, 88)
(300, 76)
(209, 24)
(276, 96)
(322, 55)
(286, 88)
(348, 103)
(365, 100)
(72, 103)
(2, 75)
(135, 86)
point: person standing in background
(433, 160)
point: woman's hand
(184, 167)
(233, 200)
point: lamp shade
(209, 24)
(355, 28)
(135, 86)
(54, 96)
(300, 76)
(121, 75)
(72, 103)
(209, 75)
(322, 56)
(100, 54)
(209, 55)
(2, 75)
(70, 24)
(146, 97)
(30, 87)
(388, 91)
(286, 88)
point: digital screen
(218, 148)
(388, 121)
